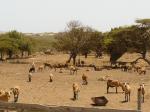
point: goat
(104, 78)
(127, 91)
(76, 90)
(97, 68)
(73, 69)
(51, 77)
(47, 65)
(142, 70)
(40, 68)
(5, 96)
(30, 77)
(84, 79)
(32, 69)
(16, 91)
(136, 68)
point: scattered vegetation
(79, 39)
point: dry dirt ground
(59, 92)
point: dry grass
(59, 92)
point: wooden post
(139, 100)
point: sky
(52, 15)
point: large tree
(77, 39)
(71, 40)
(125, 39)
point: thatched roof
(129, 57)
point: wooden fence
(20, 107)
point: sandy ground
(59, 92)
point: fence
(20, 107)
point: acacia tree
(7, 46)
(70, 40)
(124, 39)
(144, 28)
(14, 42)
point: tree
(144, 27)
(127, 39)
(77, 39)
(7, 45)
(96, 42)
(13, 42)
(70, 40)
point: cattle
(113, 83)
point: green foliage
(14, 42)
(42, 43)
(143, 21)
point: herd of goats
(126, 67)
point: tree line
(15, 44)
(80, 39)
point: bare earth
(59, 92)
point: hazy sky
(52, 15)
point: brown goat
(84, 79)
(4, 96)
(41, 68)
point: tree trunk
(29, 53)
(144, 51)
(22, 54)
(68, 61)
(10, 53)
(144, 55)
(1, 55)
(85, 55)
(74, 59)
